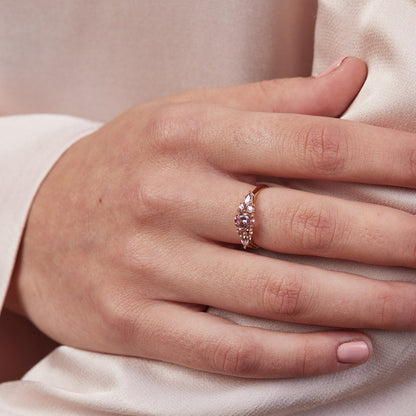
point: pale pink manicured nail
(353, 352)
(332, 67)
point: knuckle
(127, 321)
(407, 220)
(151, 198)
(412, 164)
(413, 257)
(120, 322)
(306, 360)
(395, 307)
(325, 148)
(383, 310)
(314, 226)
(235, 358)
(267, 90)
(285, 296)
(139, 255)
(175, 127)
(156, 198)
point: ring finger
(297, 222)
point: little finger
(202, 341)
(254, 285)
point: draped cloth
(74, 382)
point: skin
(131, 234)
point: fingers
(286, 145)
(296, 222)
(303, 223)
(329, 95)
(206, 342)
(254, 285)
(298, 146)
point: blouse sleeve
(29, 146)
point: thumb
(328, 94)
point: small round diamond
(250, 209)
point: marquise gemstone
(245, 241)
(249, 199)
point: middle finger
(299, 146)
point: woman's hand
(128, 240)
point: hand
(127, 240)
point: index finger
(300, 146)
(328, 95)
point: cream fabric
(74, 382)
(96, 58)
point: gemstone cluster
(244, 220)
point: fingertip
(336, 87)
(335, 351)
(331, 68)
(354, 70)
(352, 63)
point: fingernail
(332, 67)
(353, 352)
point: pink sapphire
(244, 220)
